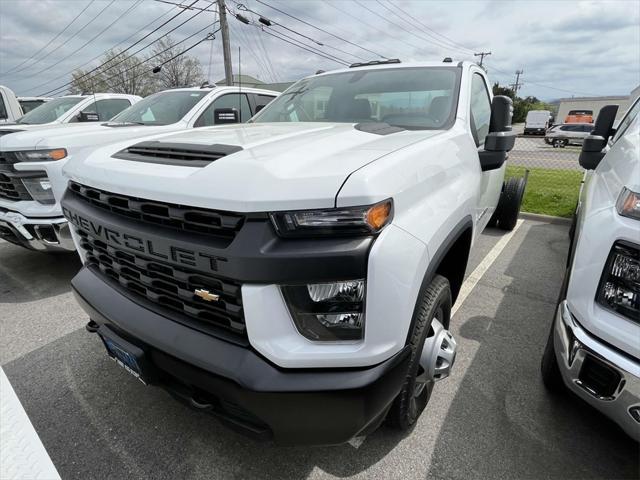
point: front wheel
(508, 208)
(430, 324)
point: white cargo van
(537, 122)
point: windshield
(417, 98)
(162, 108)
(50, 111)
(28, 105)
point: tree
(180, 71)
(521, 106)
(118, 74)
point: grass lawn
(549, 191)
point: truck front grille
(169, 286)
(180, 217)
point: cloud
(578, 47)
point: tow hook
(439, 352)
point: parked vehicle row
(31, 162)
(240, 252)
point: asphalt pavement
(491, 419)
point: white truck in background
(10, 109)
(71, 109)
(31, 180)
(537, 122)
(31, 103)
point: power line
(516, 86)
(186, 7)
(318, 28)
(50, 41)
(68, 39)
(128, 48)
(293, 41)
(433, 39)
(268, 22)
(402, 28)
(384, 32)
(109, 49)
(428, 28)
(208, 37)
(130, 9)
(304, 48)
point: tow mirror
(225, 115)
(593, 146)
(501, 137)
(88, 117)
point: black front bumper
(293, 406)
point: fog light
(40, 189)
(327, 311)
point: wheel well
(454, 263)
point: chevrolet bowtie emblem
(207, 295)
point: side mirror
(501, 137)
(88, 117)
(593, 146)
(225, 115)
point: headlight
(628, 204)
(41, 155)
(40, 189)
(619, 288)
(365, 220)
(327, 311)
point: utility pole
(226, 48)
(481, 55)
(516, 86)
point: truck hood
(281, 166)
(76, 136)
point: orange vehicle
(579, 116)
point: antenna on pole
(239, 84)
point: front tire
(416, 390)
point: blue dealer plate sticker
(123, 358)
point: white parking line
(22, 454)
(475, 276)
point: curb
(545, 218)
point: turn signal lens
(378, 215)
(628, 204)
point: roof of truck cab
(384, 66)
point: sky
(564, 48)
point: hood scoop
(181, 154)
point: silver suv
(567, 133)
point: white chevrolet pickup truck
(71, 109)
(594, 344)
(295, 275)
(31, 162)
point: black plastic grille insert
(168, 286)
(181, 217)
